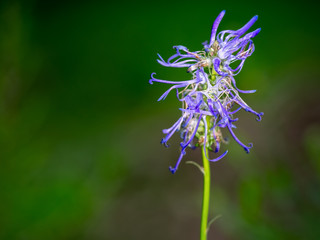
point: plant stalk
(206, 194)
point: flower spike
(210, 99)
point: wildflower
(210, 98)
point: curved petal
(216, 64)
(184, 145)
(205, 141)
(165, 94)
(246, 148)
(218, 158)
(175, 168)
(215, 27)
(251, 35)
(247, 26)
(153, 79)
(239, 90)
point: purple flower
(230, 46)
(210, 98)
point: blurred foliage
(80, 126)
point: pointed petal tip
(151, 80)
(247, 148)
(256, 32)
(172, 170)
(259, 118)
(164, 142)
(221, 14)
(253, 19)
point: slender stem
(206, 194)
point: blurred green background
(80, 126)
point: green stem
(206, 194)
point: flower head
(210, 98)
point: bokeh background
(80, 126)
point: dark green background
(80, 125)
